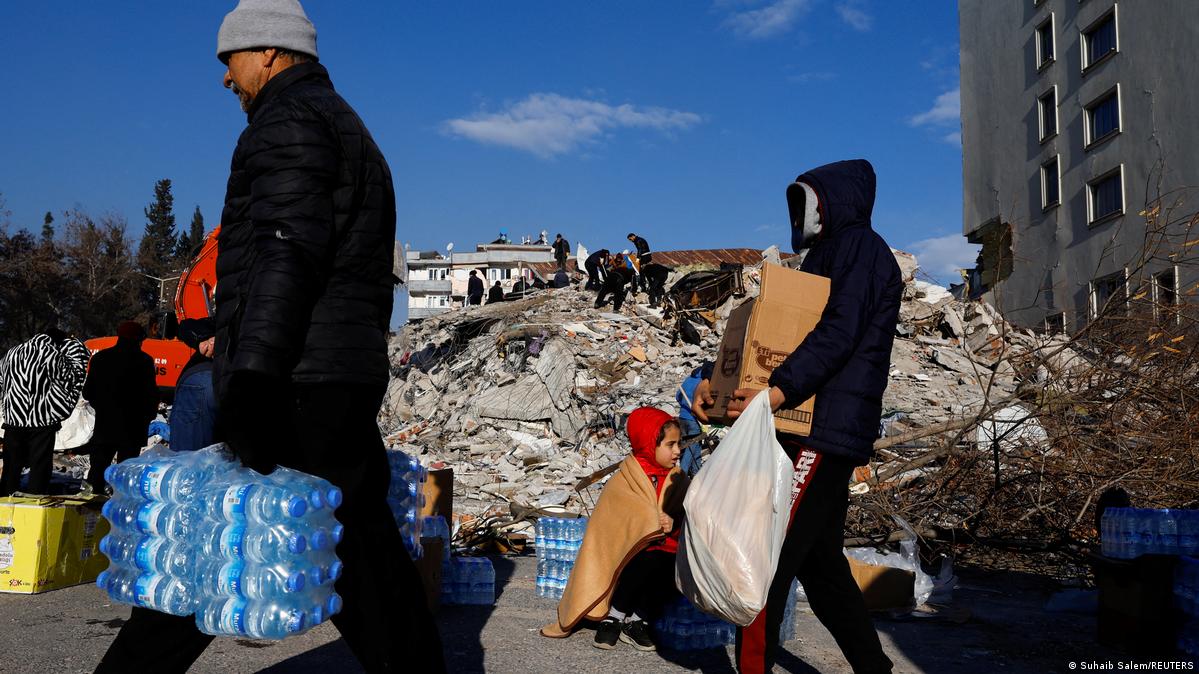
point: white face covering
(810, 227)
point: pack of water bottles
(406, 497)
(436, 527)
(195, 532)
(558, 541)
(683, 627)
(1128, 533)
(468, 580)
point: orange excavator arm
(197, 285)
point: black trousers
(812, 552)
(384, 619)
(645, 585)
(32, 448)
(102, 454)
(595, 276)
(616, 288)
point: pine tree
(156, 253)
(190, 239)
(48, 227)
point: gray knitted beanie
(259, 24)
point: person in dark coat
(495, 294)
(596, 264)
(303, 305)
(193, 414)
(561, 279)
(40, 383)
(644, 257)
(561, 251)
(121, 389)
(474, 289)
(655, 276)
(844, 362)
(619, 276)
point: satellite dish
(449, 246)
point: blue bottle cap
(320, 540)
(296, 506)
(334, 604)
(295, 622)
(338, 530)
(318, 614)
(295, 582)
(335, 570)
(316, 575)
(333, 497)
(102, 580)
(315, 499)
(296, 544)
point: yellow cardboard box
(50, 542)
(761, 333)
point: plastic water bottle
(251, 581)
(320, 492)
(257, 619)
(264, 545)
(169, 479)
(150, 554)
(148, 590)
(260, 503)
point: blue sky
(681, 120)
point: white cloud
(941, 256)
(954, 138)
(804, 78)
(946, 109)
(775, 18)
(549, 124)
(852, 13)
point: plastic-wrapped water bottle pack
(558, 541)
(1127, 533)
(406, 497)
(468, 580)
(682, 627)
(195, 532)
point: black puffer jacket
(304, 271)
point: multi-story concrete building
(438, 283)
(1078, 117)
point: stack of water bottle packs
(195, 532)
(1128, 533)
(683, 627)
(468, 580)
(406, 496)
(558, 541)
(1186, 596)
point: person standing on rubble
(644, 257)
(561, 251)
(596, 266)
(302, 310)
(40, 383)
(844, 362)
(619, 275)
(495, 294)
(654, 276)
(474, 289)
(121, 388)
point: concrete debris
(525, 398)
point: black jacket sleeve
(294, 163)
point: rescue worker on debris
(844, 362)
(302, 310)
(619, 276)
(495, 293)
(474, 289)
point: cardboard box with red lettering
(761, 333)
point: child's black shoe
(608, 634)
(636, 634)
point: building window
(1109, 295)
(1165, 294)
(1106, 195)
(1099, 40)
(1103, 117)
(1045, 42)
(1051, 185)
(1055, 323)
(1047, 114)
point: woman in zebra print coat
(40, 383)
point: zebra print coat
(40, 383)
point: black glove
(255, 419)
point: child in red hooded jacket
(646, 583)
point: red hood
(643, 426)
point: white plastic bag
(76, 429)
(737, 515)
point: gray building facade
(1077, 117)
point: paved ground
(1004, 630)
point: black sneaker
(636, 634)
(607, 635)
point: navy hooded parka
(846, 358)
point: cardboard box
(50, 542)
(439, 495)
(883, 587)
(1137, 609)
(429, 566)
(761, 333)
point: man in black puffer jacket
(844, 362)
(303, 305)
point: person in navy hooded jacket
(844, 362)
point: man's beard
(242, 96)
